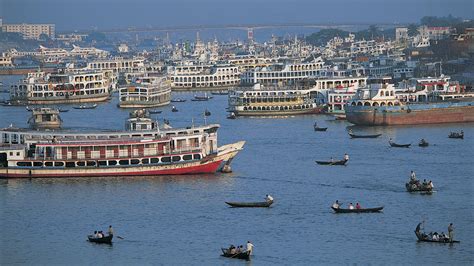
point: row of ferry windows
(272, 108)
(144, 161)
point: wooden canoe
(418, 188)
(395, 145)
(341, 162)
(339, 210)
(320, 128)
(263, 204)
(443, 241)
(354, 136)
(242, 255)
(102, 240)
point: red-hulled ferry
(142, 150)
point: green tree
(412, 30)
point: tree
(323, 36)
(412, 30)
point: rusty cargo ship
(383, 106)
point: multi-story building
(31, 31)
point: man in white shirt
(269, 198)
(351, 207)
(412, 176)
(249, 247)
(346, 157)
(336, 205)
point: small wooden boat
(29, 109)
(205, 97)
(354, 136)
(441, 241)
(178, 100)
(341, 162)
(220, 93)
(101, 240)
(231, 116)
(207, 113)
(83, 106)
(63, 110)
(316, 128)
(263, 204)
(242, 255)
(173, 109)
(154, 111)
(418, 188)
(456, 135)
(339, 210)
(423, 143)
(395, 145)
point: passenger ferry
(69, 87)
(379, 105)
(268, 101)
(145, 92)
(204, 77)
(45, 118)
(142, 150)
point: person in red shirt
(357, 205)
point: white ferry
(269, 101)
(204, 77)
(142, 150)
(145, 92)
(69, 87)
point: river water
(176, 220)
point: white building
(401, 34)
(6, 60)
(31, 31)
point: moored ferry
(142, 150)
(145, 92)
(379, 105)
(69, 87)
(260, 101)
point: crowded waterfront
(342, 150)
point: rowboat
(242, 255)
(441, 241)
(178, 100)
(395, 145)
(456, 135)
(341, 162)
(85, 106)
(423, 143)
(101, 240)
(354, 136)
(154, 111)
(339, 210)
(264, 204)
(419, 188)
(316, 128)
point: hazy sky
(106, 14)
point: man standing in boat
(451, 232)
(249, 247)
(346, 157)
(336, 205)
(412, 176)
(111, 230)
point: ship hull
(208, 165)
(71, 99)
(414, 114)
(316, 110)
(142, 104)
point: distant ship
(70, 87)
(261, 101)
(381, 105)
(145, 92)
(142, 150)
